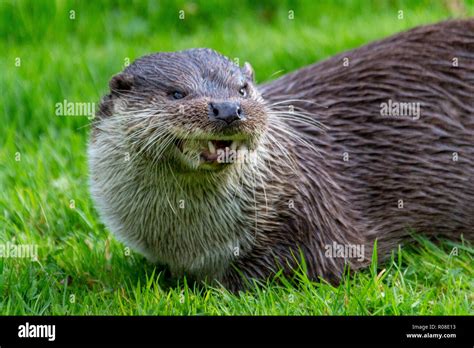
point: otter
(370, 146)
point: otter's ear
(121, 83)
(248, 71)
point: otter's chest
(192, 231)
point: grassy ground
(44, 197)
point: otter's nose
(225, 111)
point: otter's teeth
(233, 145)
(212, 148)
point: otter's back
(400, 137)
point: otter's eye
(243, 91)
(178, 95)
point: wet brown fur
(316, 197)
(356, 201)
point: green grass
(74, 59)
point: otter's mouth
(211, 153)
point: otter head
(194, 110)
